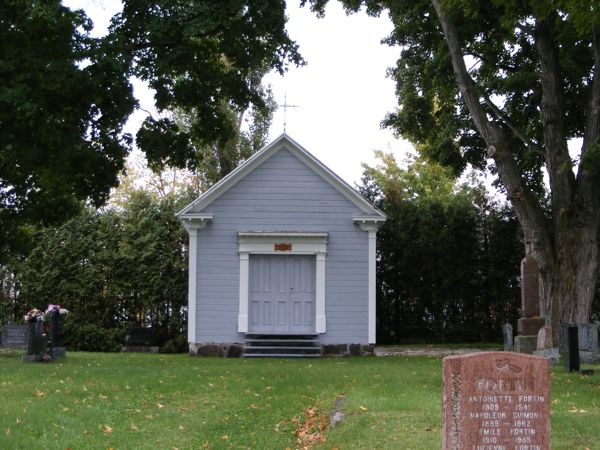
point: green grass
(176, 401)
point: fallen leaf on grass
(225, 438)
(160, 406)
(149, 417)
(103, 397)
(106, 429)
(39, 393)
(205, 445)
(363, 408)
(133, 427)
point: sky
(342, 94)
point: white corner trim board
(284, 243)
(371, 224)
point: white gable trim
(282, 142)
(264, 243)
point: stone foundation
(347, 350)
(222, 350)
(236, 350)
(526, 344)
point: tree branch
(499, 142)
(530, 145)
(463, 79)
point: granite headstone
(15, 336)
(507, 333)
(496, 401)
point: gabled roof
(282, 142)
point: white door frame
(268, 243)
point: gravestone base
(589, 357)
(549, 353)
(526, 344)
(140, 349)
(528, 326)
(57, 352)
(36, 358)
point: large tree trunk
(565, 245)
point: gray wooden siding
(282, 194)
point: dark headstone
(587, 336)
(15, 336)
(496, 400)
(140, 339)
(56, 325)
(140, 336)
(507, 334)
(36, 343)
(572, 359)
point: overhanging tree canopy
(511, 82)
(63, 103)
(205, 59)
(65, 96)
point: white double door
(282, 294)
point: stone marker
(507, 333)
(15, 336)
(588, 342)
(572, 359)
(544, 345)
(140, 339)
(544, 340)
(496, 401)
(530, 322)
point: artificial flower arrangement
(56, 309)
(37, 315)
(34, 315)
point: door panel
(282, 294)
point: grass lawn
(142, 401)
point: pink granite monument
(496, 401)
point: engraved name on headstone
(496, 401)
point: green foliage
(111, 269)
(448, 257)
(63, 102)
(202, 60)
(65, 96)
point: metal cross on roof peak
(285, 106)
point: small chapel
(282, 260)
